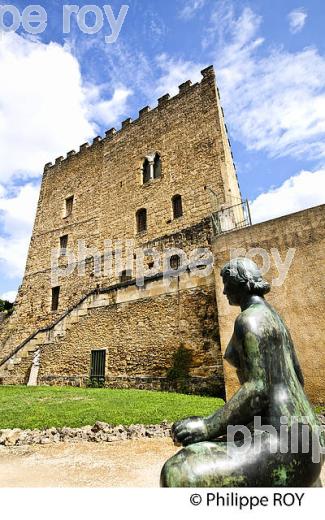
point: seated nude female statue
(285, 447)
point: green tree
(6, 306)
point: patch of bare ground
(128, 463)
(131, 463)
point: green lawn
(44, 407)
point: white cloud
(174, 72)
(299, 192)
(190, 8)
(17, 213)
(10, 296)
(136, 67)
(234, 36)
(297, 19)
(45, 109)
(108, 112)
(274, 101)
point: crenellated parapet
(163, 102)
(139, 186)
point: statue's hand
(189, 431)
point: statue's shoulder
(243, 324)
(253, 319)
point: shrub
(178, 375)
(95, 382)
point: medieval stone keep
(150, 183)
(122, 284)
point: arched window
(174, 262)
(157, 166)
(177, 206)
(141, 218)
(146, 171)
(151, 168)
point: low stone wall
(100, 432)
(213, 385)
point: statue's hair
(244, 271)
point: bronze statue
(285, 446)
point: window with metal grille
(146, 171)
(55, 298)
(141, 217)
(177, 206)
(69, 205)
(157, 167)
(125, 276)
(97, 367)
(63, 245)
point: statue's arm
(252, 397)
(298, 370)
(250, 400)
(295, 361)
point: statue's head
(242, 277)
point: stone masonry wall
(140, 339)
(299, 300)
(105, 179)
(188, 133)
(33, 304)
(140, 330)
(34, 301)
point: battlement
(128, 198)
(207, 75)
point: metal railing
(229, 218)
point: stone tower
(149, 183)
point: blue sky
(59, 90)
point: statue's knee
(171, 473)
(165, 475)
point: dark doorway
(98, 363)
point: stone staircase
(52, 333)
(31, 349)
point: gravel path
(129, 463)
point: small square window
(175, 262)
(177, 206)
(69, 206)
(63, 245)
(55, 298)
(141, 218)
